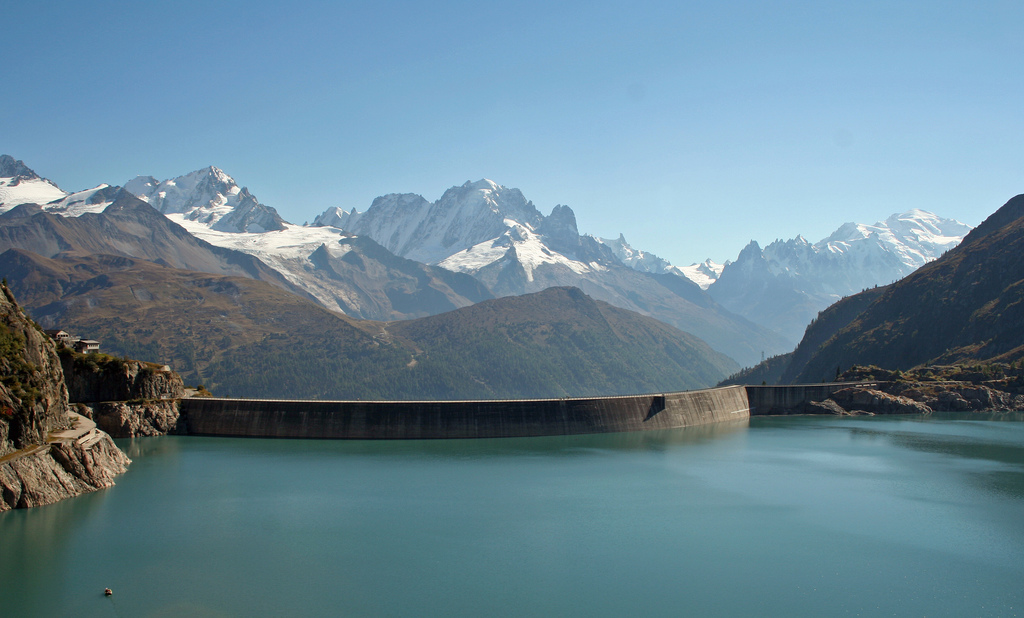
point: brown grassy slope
(967, 305)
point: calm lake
(805, 516)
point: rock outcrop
(72, 463)
(872, 401)
(122, 419)
(960, 397)
(90, 378)
(46, 453)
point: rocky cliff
(123, 419)
(33, 398)
(72, 462)
(46, 453)
(94, 377)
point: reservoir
(795, 516)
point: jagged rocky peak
(208, 196)
(637, 259)
(559, 229)
(751, 251)
(410, 226)
(13, 168)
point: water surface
(780, 516)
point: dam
(403, 420)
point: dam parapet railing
(416, 420)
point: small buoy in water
(107, 592)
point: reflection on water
(772, 516)
(462, 449)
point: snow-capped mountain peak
(915, 237)
(208, 196)
(20, 185)
(410, 226)
(784, 285)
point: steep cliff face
(122, 419)
(46, 453)
(33, 398)
(72, 462)
(95, 378)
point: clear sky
(690, 127)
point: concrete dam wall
(789, 399)
(390, 420)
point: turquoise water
(790, 516)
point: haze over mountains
(406, 257)
(787, 283)
(965, 307)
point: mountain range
(406, 257)
(967, 306)
(343, 271)
(496, 235)
(785, 284)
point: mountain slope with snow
(20, 185)
(704, 274)
(208, 196)
(347, 273)
(786, 284)
(496, 235)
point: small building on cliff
(87, 346)
(62, 337)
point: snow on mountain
(286, 250)
(703, 274)
(469, 228)
(527, 248)
(786, 284)
(499, 237)
(210, 197)
(636, 258)
(334, 217)
(915, 237)
(81, 202)
(465, 216)
(20, 185)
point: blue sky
(692, 128)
